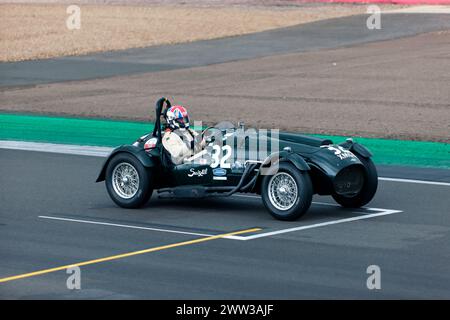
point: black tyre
(368, 190)
(288, 193)
(128, 182)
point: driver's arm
(199, 142)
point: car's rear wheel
(367, 191)
(128, 182)
(287, 194)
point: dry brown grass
(34, 31)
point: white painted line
(435, 183)
(255, 197)
(124, 226)
(383, 212)
(56, 148)
(105, 151)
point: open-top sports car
(286, 176)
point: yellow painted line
(125, 255)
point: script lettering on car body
(197, 173)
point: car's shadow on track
(215, 215)
(250, 209)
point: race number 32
(220, 155)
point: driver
(178, 139)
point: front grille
(349, 181)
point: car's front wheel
(287, 194)
(127, 181)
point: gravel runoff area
(38, 30)
(390, 89)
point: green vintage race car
(291, 169)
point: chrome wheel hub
(125, 180)
(282, 191)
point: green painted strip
(112, 133)
(89, 132)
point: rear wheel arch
(297, 161)
(283, 157)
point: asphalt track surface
(325, 34)
(53, 214)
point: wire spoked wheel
(282, 191)
(128, 182)
(287, 194)
(125, 180)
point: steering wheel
(210, 134)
